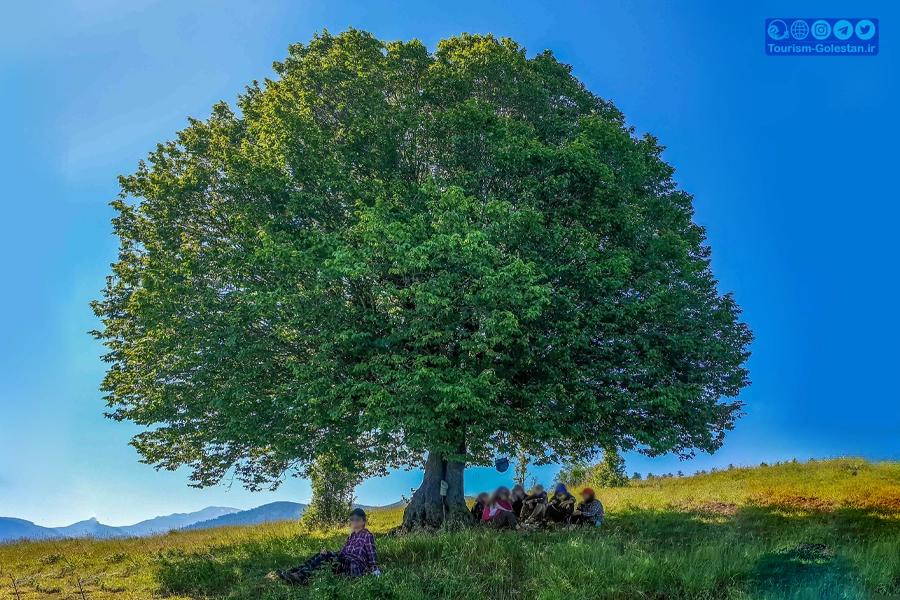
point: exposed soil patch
(724, 509)
(795, 501)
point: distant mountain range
(275, 511)
(213, 516)
(178, 520)
(14, 529)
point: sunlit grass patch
(818, 530)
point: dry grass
(818, 530)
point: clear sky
(793, 161)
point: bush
(611, 470)
(575, 473)
(608, 473)
(332, 485)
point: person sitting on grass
(356, 558)
(589, 511)
(499, 512)
(481, 501)
(518, 499)
(534, 505)
(561, 505)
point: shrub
(574, 473)
(332, 485)
(608, 473)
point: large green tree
(413, 256)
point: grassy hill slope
(818, 530)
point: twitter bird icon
(865, 29)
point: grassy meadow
(816, 530)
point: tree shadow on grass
(236, 570)
(814, 570)
(805, 571)
(782, 552)
(418, 566)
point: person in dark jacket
(561, 505)
(534, 505)
(356, 558)
(481, 501)
(518, 499)
(589, 511)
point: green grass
(818, 530)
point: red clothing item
(492, 509)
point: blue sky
(792, 160)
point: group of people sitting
(516, 509)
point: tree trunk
(427, 507)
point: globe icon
(799, 29)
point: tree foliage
(332, 482)
(610, 471)
(574, 473)
(389, 252)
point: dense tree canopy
(400, 252)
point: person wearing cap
(356, 558)
(589, 511)
(561, 505)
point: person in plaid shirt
(589, 511)
(356, 558)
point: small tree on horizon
(435, 256)
(522, 473)
(575, 473)
(332, 482)
(610, 471)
